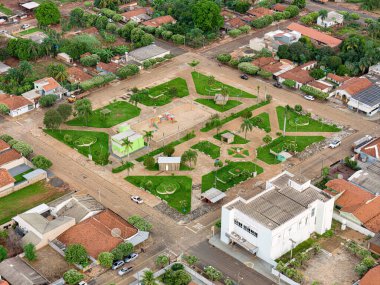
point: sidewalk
(244, 257)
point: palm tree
(191, 156)
(129, 166)
(246, 126)
(224, 93)
(148, 136)
(148, 278)
(323, 14)
(128, 145)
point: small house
(220, 99)
(169, 163)
(107, 68)
(17, 105)
(159, 21)
(64, 57)
(119, 148)
(333, 18)
(6, 180)
(227, 137)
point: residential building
(279, 7)
(259, 12)
(234, 23)
(339, 80)
(137, 15)
(45, 86)
(321, 85)
(169, 163)
(118, 141)
(6, 180)
(107, 68)
(278, 219)
(279, 67)
(366, 101)
(300, 74)
(17, 105)
(372, 277)
(355, 204)
(350, 88)
(4, 68)
(367, 178)
(10, 159)
(316, 36)
(272, 40)
(370, 152)
(77, 75)
(29, 6)
(159, 21)
(333, 18)
(144, 53)
(374, 69)
(64, 57)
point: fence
(283, 277)
(352, 225)
(23, 184)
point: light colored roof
(3, 67)
(31, 95)
(369, 96)
(368, 179)
(64, 55)
(30, 5)
(41, 224)
(34, 174)
(228, 135)
(14, 102)
(315, 35)
(130, 134)
(147, 52)
(138, 238)
(5, 178)
(333, 16)
(167, 159)
(213, 195)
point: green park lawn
(120, 112)
(203, 88)
(231, 174)
(220, 108)
(74, 139)
(5, 10)
(29, 31)
(237, 139)
(164, 93)
(208, 148)
(25, 199)
(300, 123)
(179, 200)
(265, 122)
(283, 143)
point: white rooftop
(213, 195)
(30, 5)
(167, 159)
(130, 134)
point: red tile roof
(260, 12)
(355, 85)
(298, 75)
(315, 35)
(95, 233)
(3, 282)
(4, 146)
(318, 85)
(8, 156)
(372, 277)
(14, 102)
(77, 75)
(337, 78)
(110, 67)
(262, 61)
(5, 178)
(369, 214)
(372, 149)
(159, 21)
(136, 12)
(50, 83)
(279, 7)
(235, 23)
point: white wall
(355, 104)
(22, 110)
(13, 163)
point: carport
(212, 195)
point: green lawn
(25, 199)
(234, 116)
(238, 152)
(283, 143)
(19, 177)
(164, 93)
(187, 137)
(220, 108)
(264, 124)
(300, 123)
(237, 139)
(122, 167)
(208, 148)
(29, 31)
(203, 88)
(229, 175)
(120, 112)
(182, 167)
(74, 139)
(179, 200)
(5, 10)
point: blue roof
(369, 96)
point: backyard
(85, 142)
(204, 86)
(108, 116)
(287, 143)
(237, 139)
(208, 148)
(229, 175)
(175, 190)
(220, 108)
(25, 199)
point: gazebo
(212, 195)
(227, 137)
(105, 112)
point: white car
(131, 257)
(25, 26)
(125, 270)
(117, 264)
(309, 97)
(82, 283)
(137, 199)
(334, 144)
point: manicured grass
(122, 167)
(187, 137)
(208, 148)
(236, 115)
(120, 112)
(300, 123)
(162, 94)
(29, 31)
(5, 10)
(19, 177)
(231, 174)
(220, 108)
(25, 199)
(179, 200)
(265, 123)
(237, 139)
(238, 152)
(98, 150)
(282, 143)
(203, 88)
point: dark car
(277, 84)
(244, 76)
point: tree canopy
(206, 16)
(47, 13)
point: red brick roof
(279, 7)
(262, 61)
(8, 156)
(369, 214)
(136, 12)
(298, 75)
(235, 23)
(372, 149)
(337, 78)
(95, 233)
(4, 146)
(77, 75)
(260, 12)
(318, 85)
(110, 67)
(355, 85)
(50, 83)
(372, 277)
(3, 282)
(14, 102)
(159, 21)
(315, 35)
(5, 178)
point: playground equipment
(162, 118)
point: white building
(333, 18)
(144, 53)
(278, 219)
(17, 105)
(272, 40)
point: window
(313, 212)
(246, 228)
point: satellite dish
(116, 232)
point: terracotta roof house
(370, 152)
(262, 61)
(322, 86)
(4, 146)
(106, 68)
(10, 159)
(299, 75)
(159, 21)
(279, 67)
(372, 277)
(279, 7)
(137, 15)
(77, 75)
(6, 180)
(233, 23)
(319, 37)
(45, 86)
(337, 79)
(259, 12)
(17, 105)
(95, 233)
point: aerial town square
(190, 142)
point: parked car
(244, 76)
(82, 283)
(71, 99)
(334, 144)
(137, 199)
(3, 32)
(277, 84)
(309, 97)
(117, 264)
(131, 257)
(25, 26)
(125, 270)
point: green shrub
(289, 83)
(127, 71)
(30, 252)
(224, 57)
(248, 68)
(245, 29)
(234, 33)
(47, 100)
(140, 223)
(314, 92)
(234, 62)
(42, 162)
(262, 22)
(178, 39)
(97, 81)
(265, 74)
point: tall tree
(47, 13)
(52, 119)
(83, 108)
(148, 278)
(206, 16)
(246, 126)
(128, 145)
(65, 111)
(57, 71)
(148, 135)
